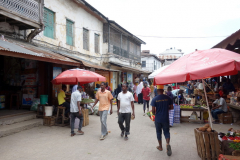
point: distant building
(170, 55)
(150, 62)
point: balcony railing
(31, 10)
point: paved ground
(55, 142)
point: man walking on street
(161, 104)
(125, 102)
(146, 96)
(76, 110)
(105, 100)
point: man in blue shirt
(161, 104)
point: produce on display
(232, 135)
(189, 106)
(206, 127)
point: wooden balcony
(26, 14)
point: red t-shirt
(146, 92)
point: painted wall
(150, 63)
(82, 19)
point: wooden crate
(208, 144)
(225, 118)
(49, 121)
(85, 117)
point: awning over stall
(25, 50)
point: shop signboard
(27, 99)
(129, 77)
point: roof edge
(133, 36)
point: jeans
(67, 105)
(127, 118)
(144, 104)
(103, 120)
(164, 127)
(73, 116)
(215, 112)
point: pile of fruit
(87, 100)
(206, 127)
(232, 135)
(186, 106)
(189, 106)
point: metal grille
(85, 39)
(96, 43)
(26, 8)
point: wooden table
(186, 118)
(233, 106)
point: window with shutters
(69, 32)
(85, 39)
(49, 24)
(143, 64)
(96, 37)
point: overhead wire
(147, 36)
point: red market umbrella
(200, 65)
(73, 76)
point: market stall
(202, 65)
(77, 77)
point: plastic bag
(194, 116)
(36, 102)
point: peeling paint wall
(82, 19)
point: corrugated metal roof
(130, 68)
(229, 40)
(37, 53)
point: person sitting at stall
(220, 91)
(62, 100)
(219, 106)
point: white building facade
(170, 55)
(150, 62)
(70, 25)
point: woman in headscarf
(117, 91)
(138, 92)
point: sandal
(169, 150)
(159, 148)
(125, 138)
(73, 134)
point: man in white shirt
(219, 106)
(125, 102)
(75, 110)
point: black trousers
(140, 98)
(127, 118)
(67, 105)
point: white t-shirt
(75, 97)
(125, 102)
(223, 104)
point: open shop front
(26, 75)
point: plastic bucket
(43, 99)
(48, 110)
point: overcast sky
(174, 18)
